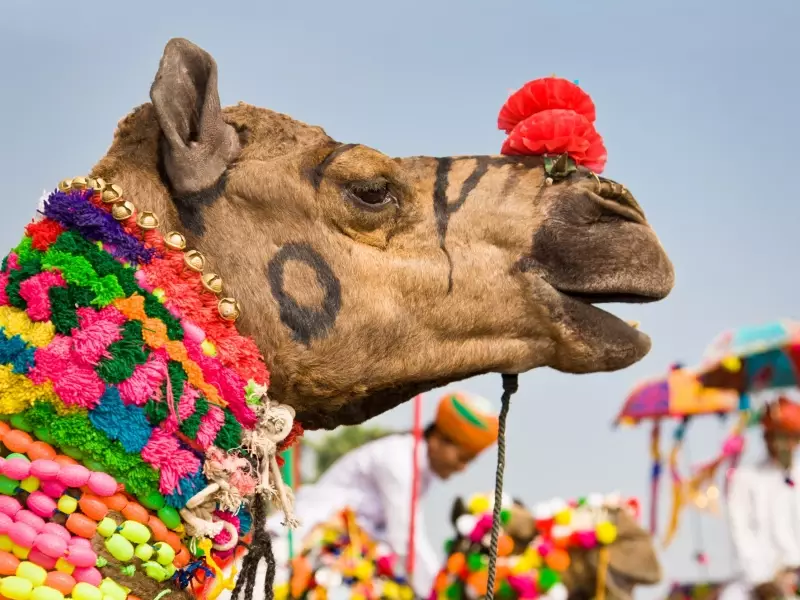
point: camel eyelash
(372, 185)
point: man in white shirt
(375, 482)
(764, 512)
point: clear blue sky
(697, 102)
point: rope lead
(510, 387)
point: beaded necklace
(131, 409)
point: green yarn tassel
(230, 434)
(154, 308)
(101, 261)
(28, 268)
(190, 426)
(126, 354)
(25, 251)
(76, 270)
(156, 412)
(62, 309)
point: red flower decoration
(555, 132)
(543, 94)
(553, 116)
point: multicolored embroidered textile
(339, 560)
(113, 351)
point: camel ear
(458, 509)
(634, 553)
(198, 145)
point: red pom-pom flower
(552, 116)
(544, 94)
(558, 131)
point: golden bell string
(194, 260)
(175, 240)
(228, 309)
(112, 193)
(123, 210)
(147, 220)
(79, 183)
(212, 282)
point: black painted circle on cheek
(305, 323)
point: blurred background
(696, 102)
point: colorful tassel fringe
(110, 349)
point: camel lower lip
(592, 300)
(630, 324)
(621, 582)
(603, 341)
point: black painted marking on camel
(318, 173)
(306, 323)
(191, 207)
(442, 210)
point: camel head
(632, 559)
(364, 278)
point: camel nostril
(620, 196)
(611, 190)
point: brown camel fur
(366, 279)
(632, 557)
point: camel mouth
(594, 339)
(621, 584)
(624, 584)
(594, 298)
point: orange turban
(782, 416)
(467, 421)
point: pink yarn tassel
(146, 379)
(34, 291)
(3, 284)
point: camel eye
(371, 195)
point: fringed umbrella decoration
(749, 360)
(679, 395)
(754, 359)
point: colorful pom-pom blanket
(115, 352)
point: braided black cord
(510, 387)
(261, 547)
